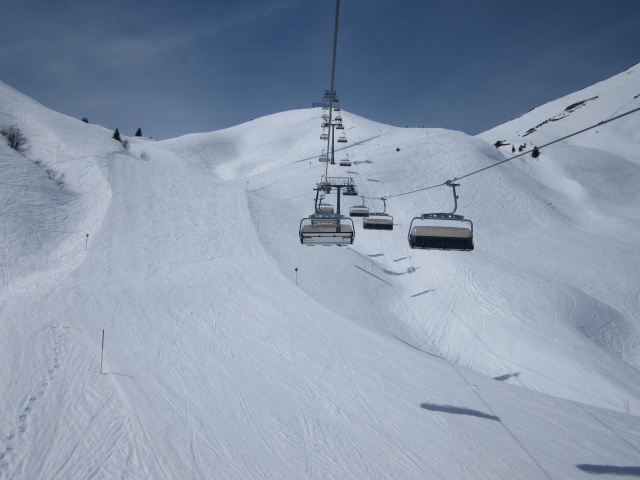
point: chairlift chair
(340, 126)
(329, 95)
(342, 139)
(345, 162)
(324, 136)
(359, 210)
(379, 220)
(326, 229)
(325, 208)
(338, 118)
(439, 237)
(322, 207)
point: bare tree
(15, 138)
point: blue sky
(173, 68)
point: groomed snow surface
(517, 360)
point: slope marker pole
(102, 354)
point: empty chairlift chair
(436, 235)
(342, 139)
(379, 220)
(322, 207)
(345, 162)
(325, 208)
(359, 210)
(326, 229)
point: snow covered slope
(517, 360)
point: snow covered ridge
(517, 360)
(593, 104)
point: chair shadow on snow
(368, 162)
(506, 376)
(458, 411)
(409, 270)
(375, 276)
(422, 293)
(610, 470)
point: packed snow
(519, 359)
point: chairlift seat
(342, 140)
(345, 163)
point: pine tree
(535, 153)
(138, 133)
(116, 135)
